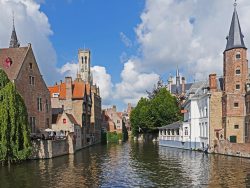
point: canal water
(130, 164)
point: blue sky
(94, 24)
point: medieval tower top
(13, 40)
(235, 37)
(84, 65)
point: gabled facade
(74, 97)
(65, 124)
(20, 65)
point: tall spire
(235, 37)
(13, 40)
(177, 77)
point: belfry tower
(235, 74)
(84, 65)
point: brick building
(235, 76)
(20, 65)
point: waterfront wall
(45, 149)
(233, 149)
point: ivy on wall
(15, 142)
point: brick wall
(30, 93)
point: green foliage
(14, 132)
(114, 136)
(160, 110)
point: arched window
(237, 71)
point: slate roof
(175, 89)
(235, 37)
(17, 56)
(175, 125)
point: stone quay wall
(46, 149)
(234, 149)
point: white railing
(173, 138)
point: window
(33, 124)
(47, 121)
(237, 86)
(39, 104)
(32, 80)
(238, 55)
(82, 60)
(177, 132)
(236, 104)
(233, 139)
(186, 131)
(118, 121)
(237, 72)
(236, 126)
(30, 65)
(64, 121)
(47, 106)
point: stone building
(84, 61)
(65, 124)
(235, 76)
(73, 97)
(114, 119)
(20, 65)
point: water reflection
(130, 165)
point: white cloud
(69, 69)
(134, 83)
(32, 26)
(102, 79)
(188, 33)
(125, 40)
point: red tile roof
(78, 90)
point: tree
(160, 110)
(156, 89)
(15, 142)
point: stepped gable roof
(11, 60)
(235, 37)
(175, 125)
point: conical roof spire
(13, 40)
(235, 37)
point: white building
(193, 132)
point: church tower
(13, 39)
(235, 74)
(84, 65)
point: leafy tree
(156, 89)
(15, 142)
(160, 110)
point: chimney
(212, 82)
(183, 82)
(68, 82)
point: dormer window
(238, 55)
(8, 62)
